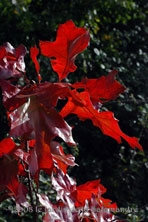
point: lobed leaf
(70, 41)
(81, 105)
(103, 89)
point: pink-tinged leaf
(64, 186)
(33, 118)
(67, 214)
(51, 215)
(43, 126)
(101, 90)
(7, 146)
(99, 211)
(55, 213)
(20, 53)
(46, 97)
(49, 121)
(60, 158)
(21, 154)
(12, 62)
(34, 51)
(81, 105)
(19, 121)
(70, 41)
(30, 161)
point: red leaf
(103, 89)
(85, 191)
(7, 145)
(70, 41)
(107, 203)
(80, 104)
(2, 52)
(34, 51)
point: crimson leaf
(81, 105)
(70, 41)
(103, 89)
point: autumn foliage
(36, 122)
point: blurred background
(119, 36)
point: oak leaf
(103, 89)
(70, 41)
(81, 105)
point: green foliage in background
(119, 30)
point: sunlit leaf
(81, 105)
(103, 89)
(70, 41)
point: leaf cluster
(38, 126)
